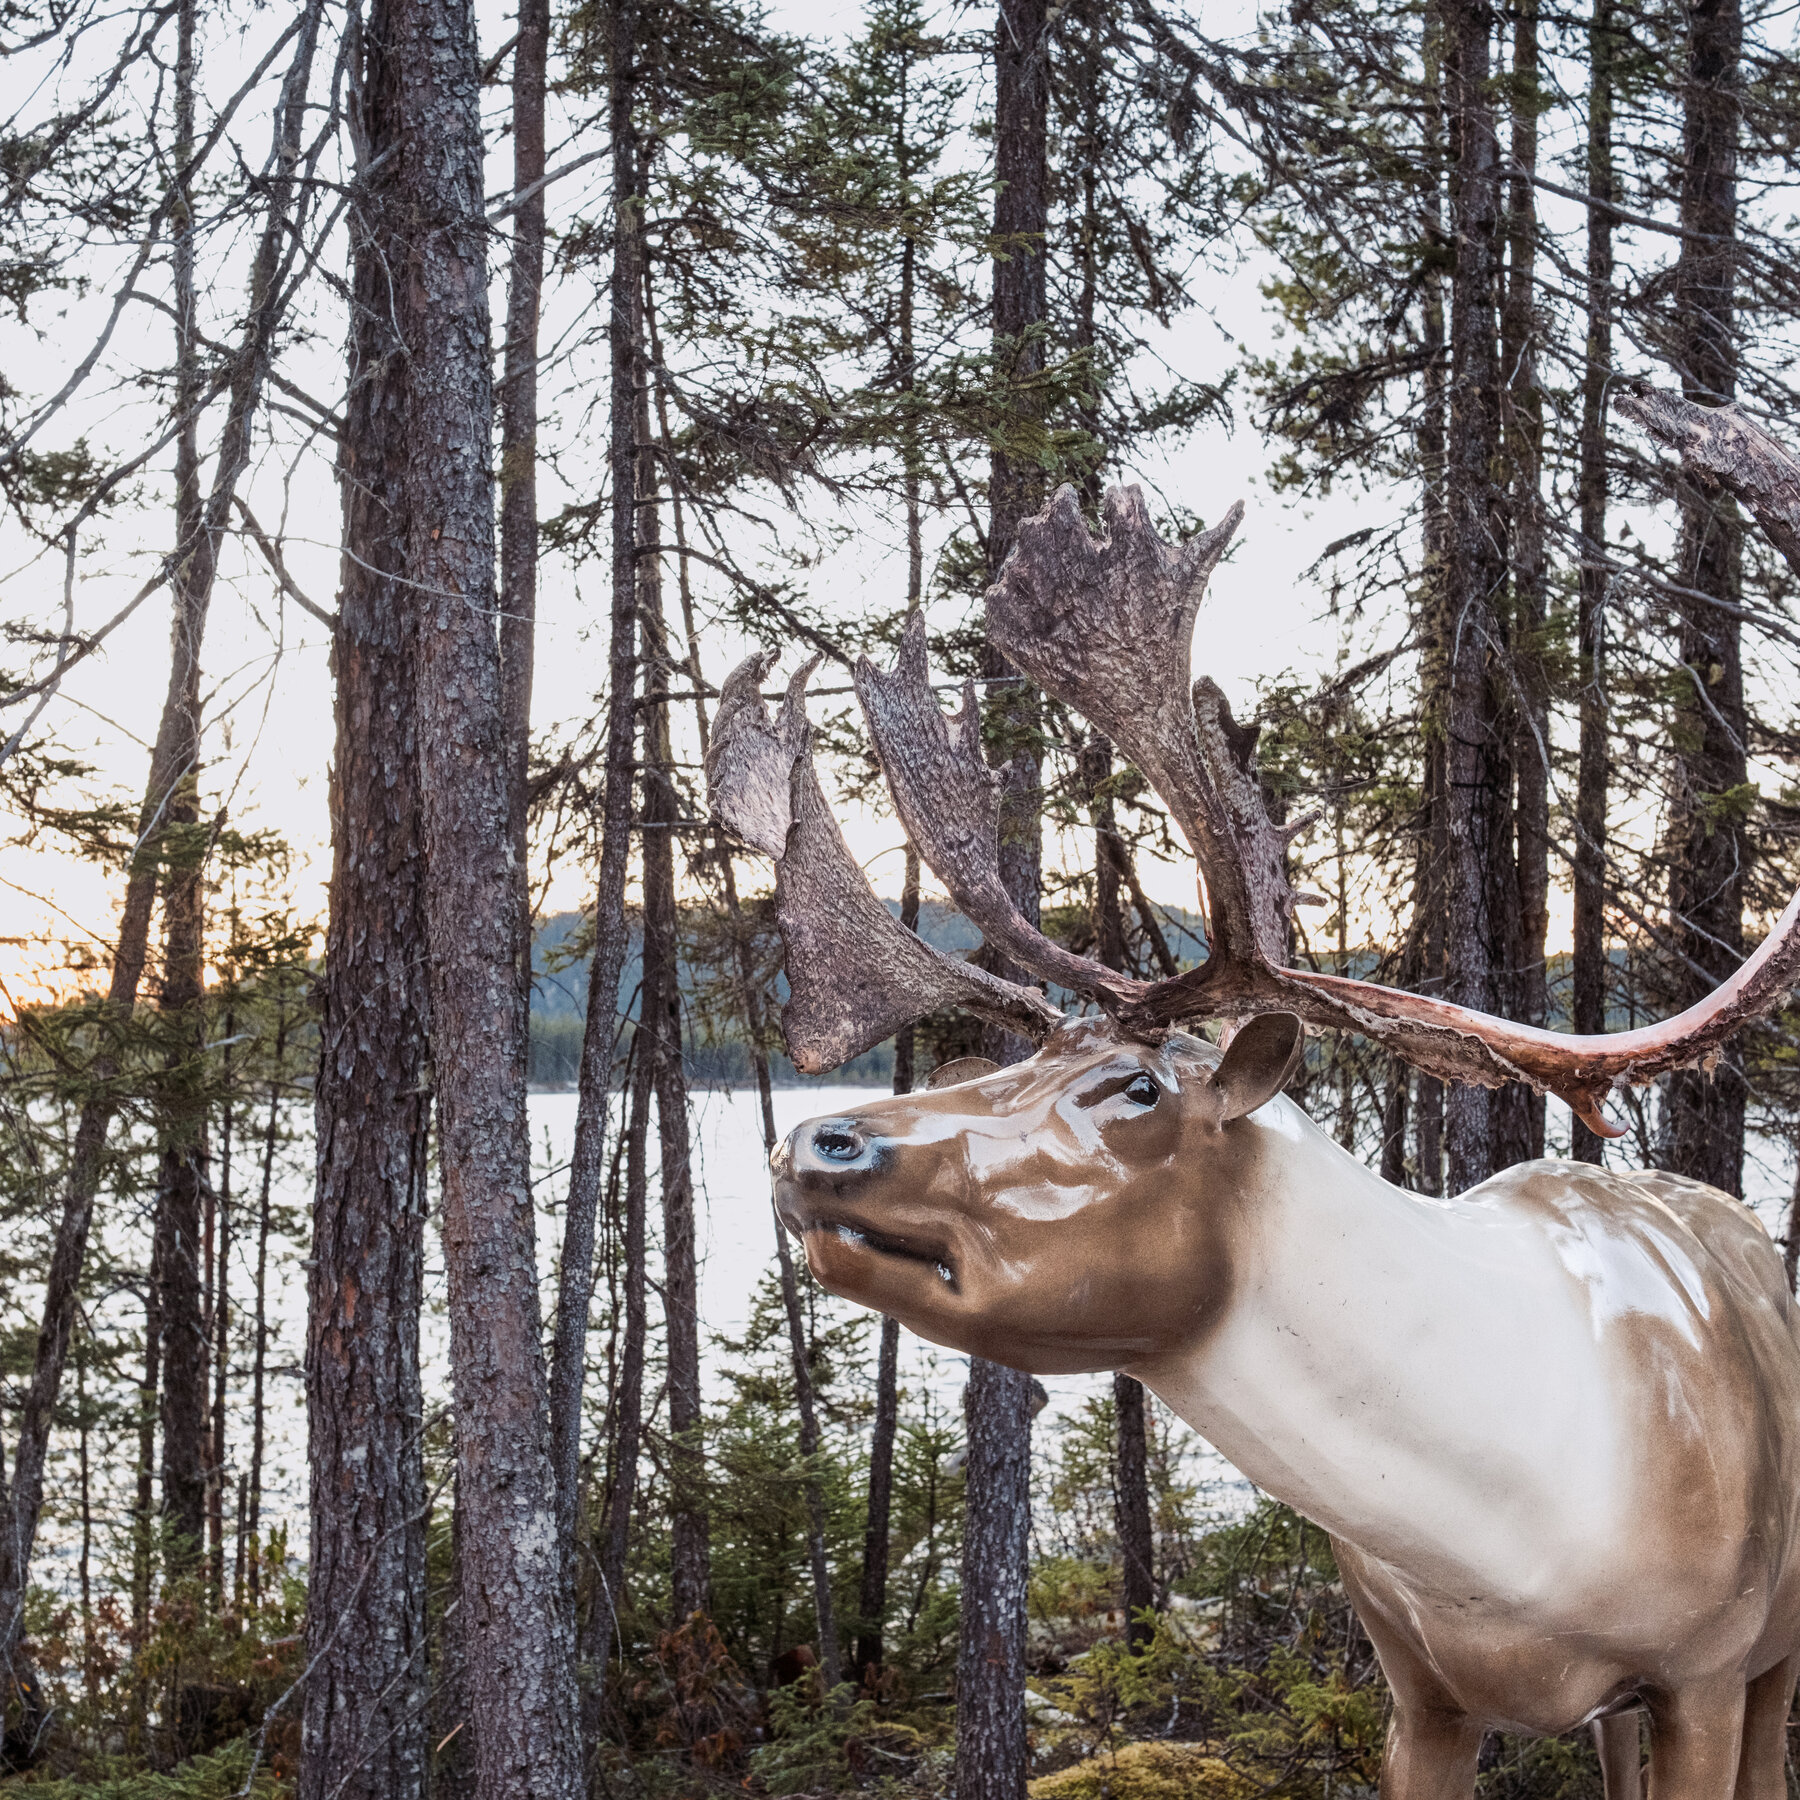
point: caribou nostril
(837, 1142)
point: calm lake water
(736, 1235)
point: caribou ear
(1258, 1062)
(962, 1068)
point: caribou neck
(1416, 1375)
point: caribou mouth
(860, 1237)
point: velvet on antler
(948, 798)
(855, 974)
(1105, 625)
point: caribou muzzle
(830, 1177)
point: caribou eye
(1142, 1089)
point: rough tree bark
(690, 1555)
(991, 1761)
(518, 443)
(181, 1172)
(872, 1595)
(1131, 1509)
(587, 1163)
(628, 1392)
(1519, 1109)
(1477, 804)
(1710, 845)
(516, 1616)
(1592, 762)
(363, 1724)
(1433, 433)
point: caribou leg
(1695, 1737)
(1621, 1755)
(1762, 1762)
(1430, 1754)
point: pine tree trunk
(991, 1756)
(362, 1728)
(514, 1595)
(1477, 782)
(143, 1512)
(1704, 1113)
(259, 1349)
(1131, 1509)
(1433, 434)
(181, 1178)
(690, 1556)
(872, 1597)
(991, 1761)
(628, 1393)
(518, 446)
(219, 1317)
(1591, 774)
(587, 1163)
(1521, 1109)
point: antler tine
(1105, 624)
(948, 800)
(855, 973)
(1455, 1043)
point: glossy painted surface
(1553, 1425)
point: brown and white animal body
(1553, 1424)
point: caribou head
(1024, 1213)
(1553, 1425)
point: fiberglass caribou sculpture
(1552, 1425)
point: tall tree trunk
(690, 1556)
(1591, 773)
(259, 1348)
(1131, 1475)
(143, 1513)
(181, 1175)
(21, 1502)
(587, 1163)
(1704, 1118)
(1477, 783)
(1131, 1508)
(873, 1594)
(991, 1761)
(1522, 1109)
(1433, 436)
(219, 1318)
(628, 1392)
(362, 1728)
(518, 446)
(514, 1593)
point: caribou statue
(1552, 1425)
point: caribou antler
(855, 973)
(948, 799)
(1724, 447)
(1105, 624)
